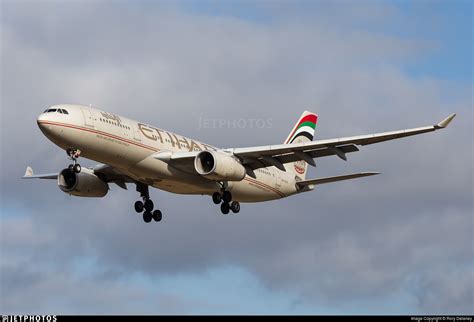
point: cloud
(359, 240)
(447, 288)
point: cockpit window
(59, 110)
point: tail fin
(304, 127)
(303, 131)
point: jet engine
(216, 165)
(82, 184)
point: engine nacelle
(82, 184)
(219, 166)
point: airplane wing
(29, 174)
(105, 172)
(265, 156)
(111, 174)
(183, 161)
(277, 155)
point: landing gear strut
(225, 199)
(146, 206)
(74, 154)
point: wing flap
(295, 156)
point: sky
(397, 243)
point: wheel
(138, 206)
(217, 198)
(147, 216)
(225, 208)
(149, 205)
(235, 207)
(157, 215)
(70, 168)
(77, 168)
(227, 196)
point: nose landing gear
(74, 154)
(146, 206)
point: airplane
(132, 152)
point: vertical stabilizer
(303, 131)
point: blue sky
(449, 25)
(446, 25)
(371, 247)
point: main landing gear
(74, 154)
(225, 199)
(146, 206)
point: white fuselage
(129, 146)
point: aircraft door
(136, 132)
(88, 117)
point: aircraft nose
(44, 123)
(41, 120)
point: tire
(149, 205)
(235, 207)
(77, 168)
(139, 206)
(157, 216)
(227, 196)
(225, 208)
(147, 216)
(216, 198)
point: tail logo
(305, 127)
(300, 166)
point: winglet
(28, 172)
(444, 123)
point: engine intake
(215, 165)
(83, 184)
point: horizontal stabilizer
(313, 182)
